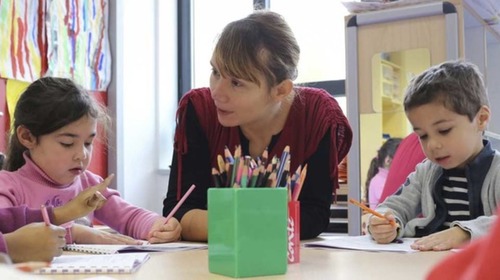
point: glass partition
(391, 73)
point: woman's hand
(447, 239)
(87, 235)
(85, 202)
(162, 233)
(35, 242)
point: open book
(95, 264)
(364, 243)
(115, 249)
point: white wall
(142, 98)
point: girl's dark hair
(259, 43)
(47, 105)
(388, 149)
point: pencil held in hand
(179, 203)
(369, 210)
(45, 215)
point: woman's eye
(215, 72)
(236, 83)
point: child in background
(452, 196)
(55, 124)
(379, 168)
(407, 156)
(21, 229)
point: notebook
(115, 249)
(363, 243)
(93, 264)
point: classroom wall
(139, 111)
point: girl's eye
(66, 145)
(88, 144)
(446, 131)
(422, 137)
(215, 72)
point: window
(318, 26)
(208, 20)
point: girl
(379, 168)
(21, 230)
(55, 124)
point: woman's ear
(25, 137)
(283, 89)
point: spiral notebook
(95, 264)
(115, 249)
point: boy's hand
(85, 202)
(447, 239)
(162, 233)
(381, 229)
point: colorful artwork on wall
(61, 38)
(77, 42)
(22, 48)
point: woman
(253, 102)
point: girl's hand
(447, 239)
(35, 242)
(85, 202)
(381, 229)
(87, 235)
(162, 233)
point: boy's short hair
(457, 84)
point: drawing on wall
(77, 42)
(22, 56)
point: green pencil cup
(247, 231)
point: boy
(452, 196)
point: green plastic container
(247, 231)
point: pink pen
(179, 203)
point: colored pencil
(45, 215)
(299, 183)
(171, 214)
(217, 178)
(369, 210)
(222, 169)
(255, 176)
(227, 155)
(284, 158)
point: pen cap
(247, 231)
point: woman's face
(240, 102)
